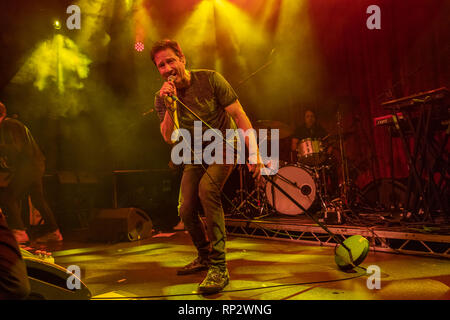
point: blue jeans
(198, 186)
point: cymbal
(345, 135)
(335, 137)
(284, 129)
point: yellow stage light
(57, 24)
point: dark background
(315, 54)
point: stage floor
(260, 270)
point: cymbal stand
(345, 176)
(319, 177)
(249, 202)
(326, 204)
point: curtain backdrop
(364, 68)
(281, 56)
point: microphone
(272, 52)
(170, 98)
(167, 98)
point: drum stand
(347, 188)
(345, 175)
(332, 211)
(251, 204)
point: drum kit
(305, 179)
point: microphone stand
(339, 241)
(265, 65)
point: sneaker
(21, 236)
(216, 279)
(179, 226)
(195, 266)
(54, 236)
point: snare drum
(296, 181)
(310, 152)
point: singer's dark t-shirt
(207, 95)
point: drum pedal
(332, 215)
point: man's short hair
(163, 45)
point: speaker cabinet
(154, 191)
(122, 224)
(49, 281)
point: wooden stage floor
(260, 269)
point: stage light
(128, 4)
(57, 24)
(139, 46)
(58, 61)
(197, 37)
(142, 24)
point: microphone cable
(359, 275)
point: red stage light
(139, 46)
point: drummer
(313, 130)
(310, 129)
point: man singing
(212, 98)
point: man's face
(169, 64)
(310, 119)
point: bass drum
(298, 183)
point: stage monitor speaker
(122, 224)
(49, 281)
